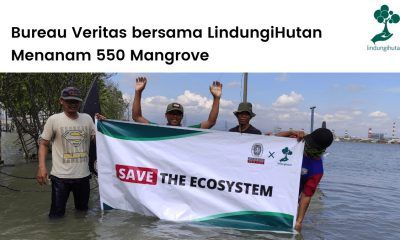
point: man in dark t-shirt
(244, 114)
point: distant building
(346, 134)
(370, 133)
(377, 136)
(277, 129)
(394, 131)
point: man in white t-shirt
(70, 133)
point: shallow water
(358, 199)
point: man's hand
(216, 89)
(100, 117)
(42, 175)
(298, 226)
(140, 84)
(297, 134)
(292, 134)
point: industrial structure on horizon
(373, 137)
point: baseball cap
(319, 139)
(71, 93)
(174, 107)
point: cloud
(127, 97)
(378, 114)
(197, 108)
(393, 90)
(348, 88)
(290, 100)
(198, 102)
(341, 116)
(335, 86)
(337, 117)
(270, 118)
(156, 101)
(284, 113)
(357, 112)
(195, 105)
(233, 84)
(192, 99)
(354, 88)
(284, 116)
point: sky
(346, 101)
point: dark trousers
(61, 187)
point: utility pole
(312, 118)
(245, 87)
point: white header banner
(205, 36)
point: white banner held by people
(220, 178)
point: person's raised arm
(136, 106)
(216, 91)
(292, 134)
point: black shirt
(251, 130)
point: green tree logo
(287, 152)
(383, 15)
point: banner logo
(287, 152)
(385, 16)
(139, 175)
(257, 150)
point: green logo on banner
(287, 152)
(385, 16)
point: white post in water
(245, 87)
(312, 118)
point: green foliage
(32, 97)
(383, 15)
(111, 101)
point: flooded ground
(358, 199)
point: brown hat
(245, 107)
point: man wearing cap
(70, 133)
(174, 111)
(312, 167)
(244, 114)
